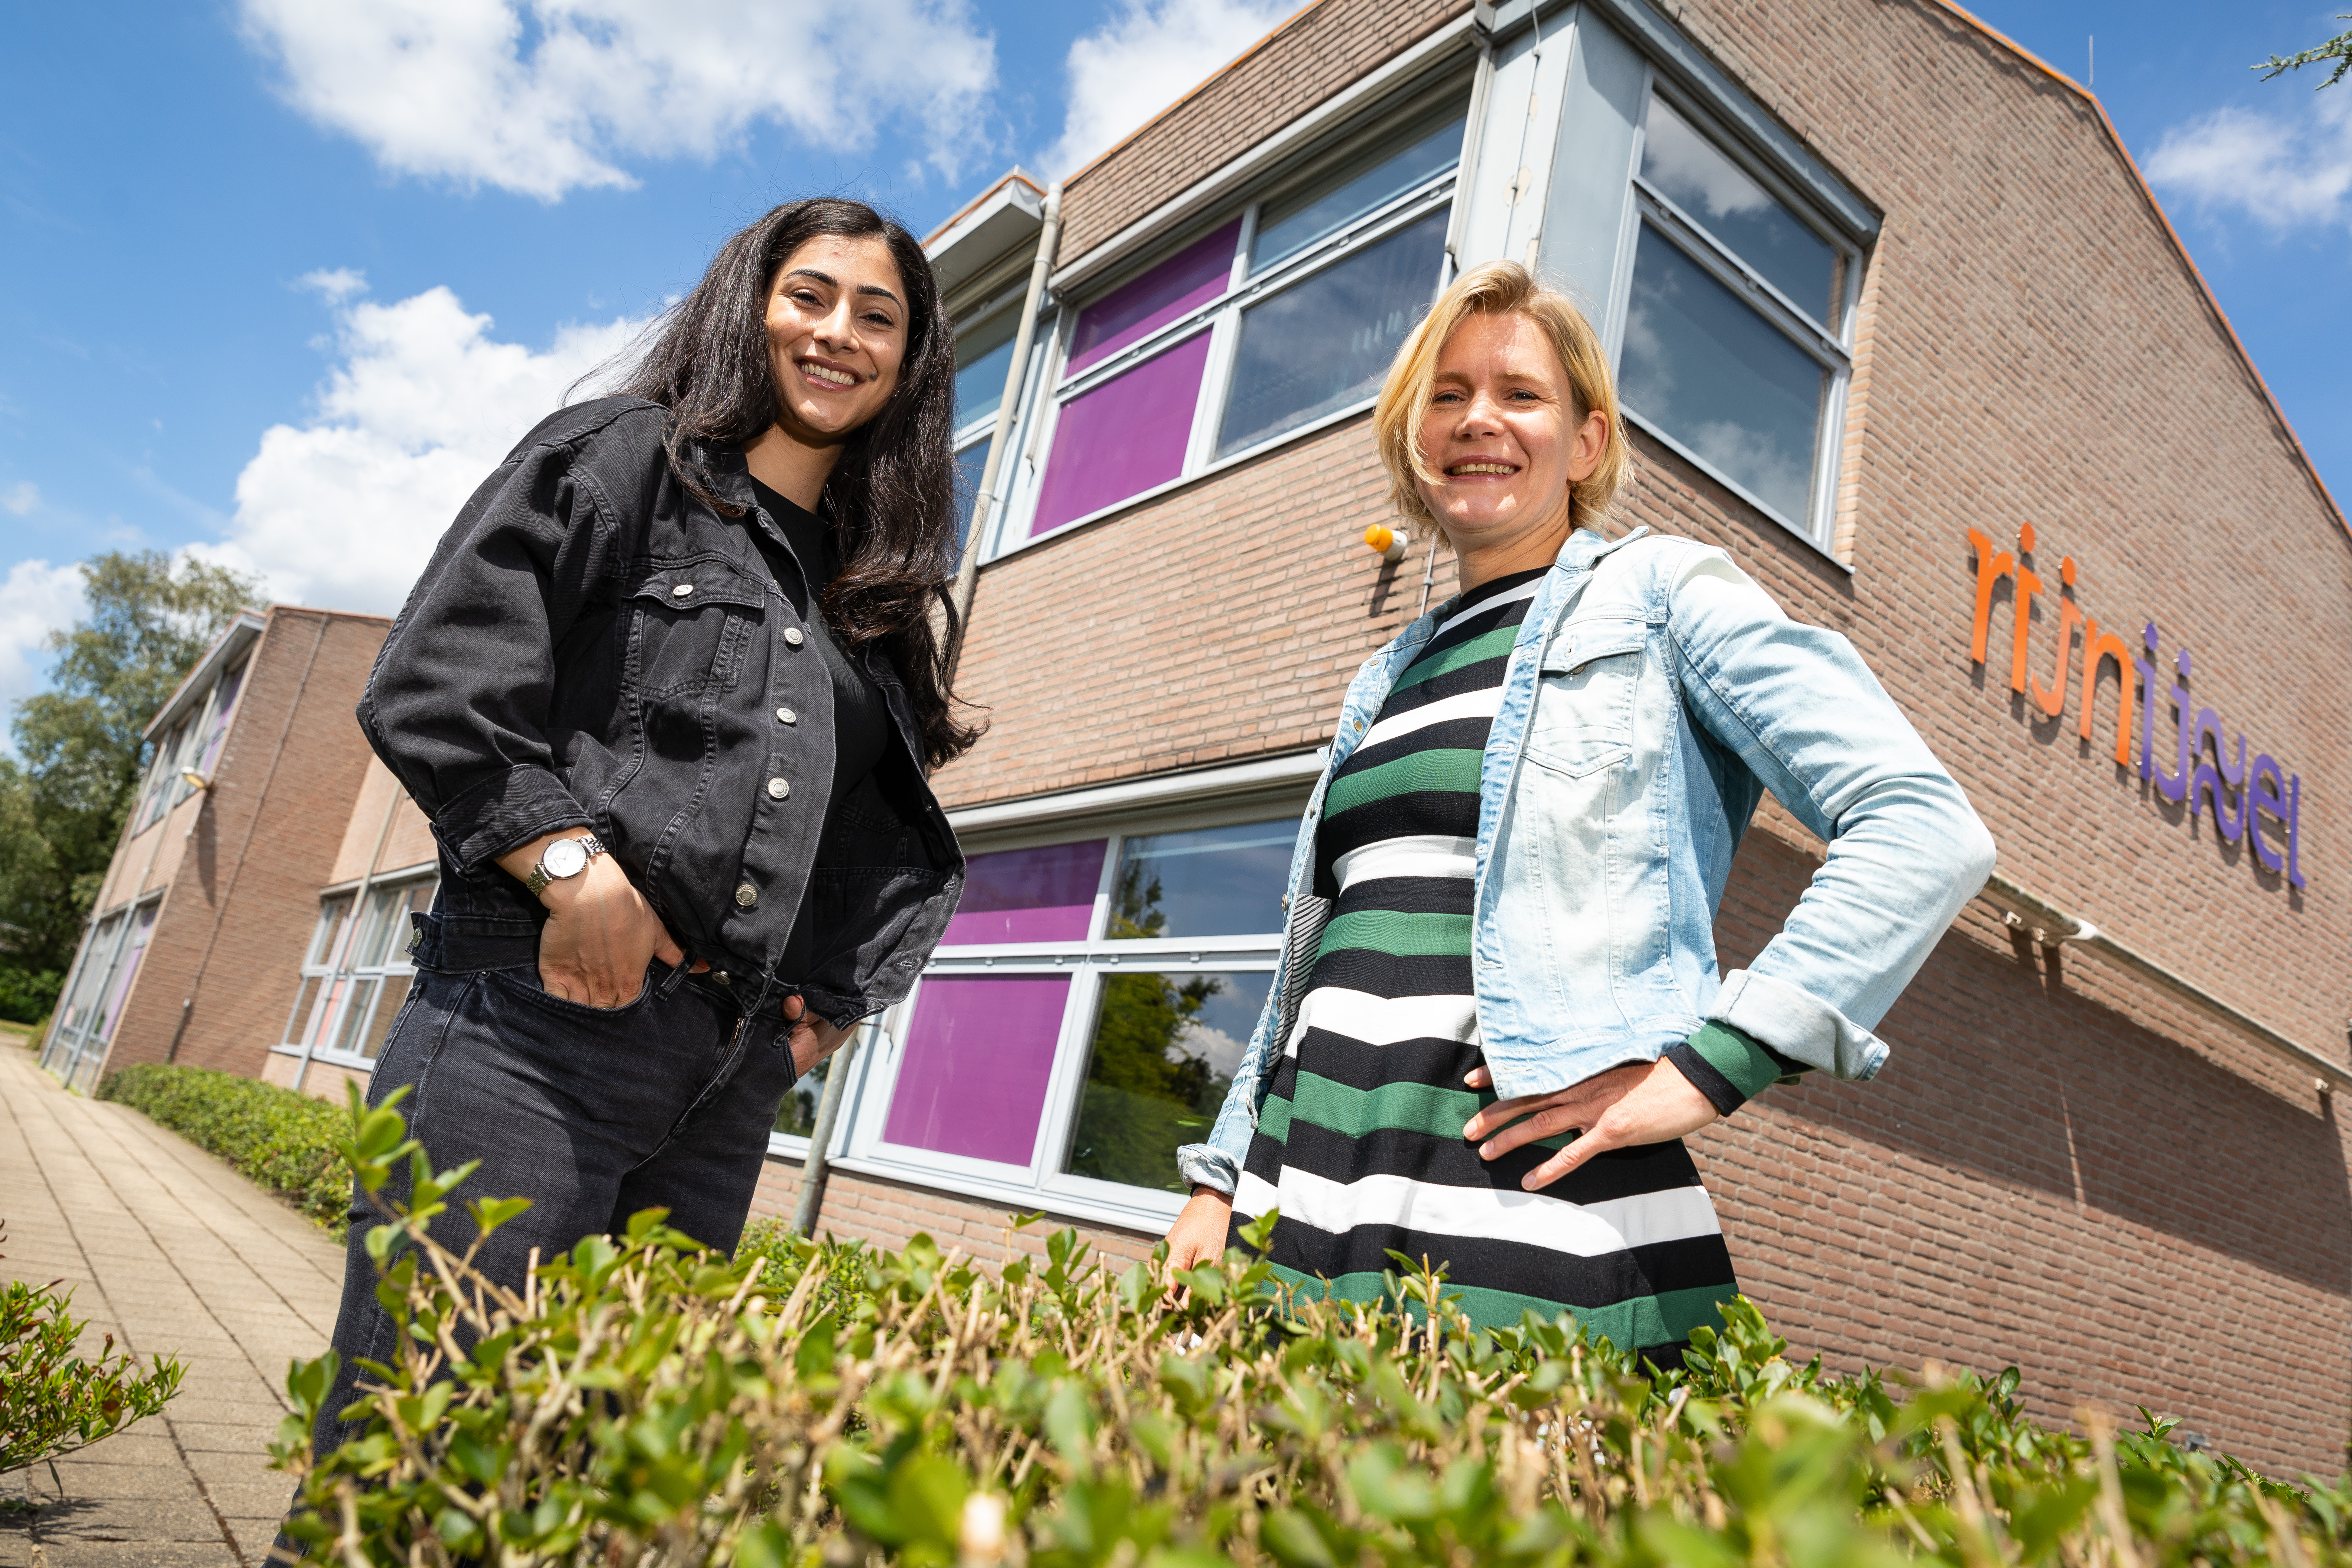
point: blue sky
(276, 275)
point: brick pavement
(174, 1253)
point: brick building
(1899, 325)
(254, 762)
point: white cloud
(2284, 170)
(343, 511)
(36, 599)
(1142, 60)
(541, 97)
(20, 498)
(334, 285)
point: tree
(80, 750)
(2337, 49)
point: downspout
(820, 1149)
(359, 913)
(984, 503)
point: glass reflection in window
(1211, 882)
(1164, 1051)
(1697, 177)
(1292, 223)
(983, 353)
(1316, 347)
(1704, 366)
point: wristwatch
(564, 858)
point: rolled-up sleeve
(1905, 849)
(458, 703)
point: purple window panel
(978, 1052)
(1185, 281)
(1124, 436)
(1046, 894)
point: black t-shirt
(861, 719)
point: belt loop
(675, 978)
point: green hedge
(282, 1139)
(817, 1407)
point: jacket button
(786, 716)
(747, 894)
(793, 637)
(681, 591)
(778, 788)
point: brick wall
(889, 1214)
(2062, 1167)
(244, 885)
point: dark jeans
(592, 1114)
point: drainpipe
(828, 1112)
(984, 503)
(359, 913)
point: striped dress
(1359, 1144)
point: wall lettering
(2254, 801)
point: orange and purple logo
(2256, 803)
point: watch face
(565, 857)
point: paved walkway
(175, 1253)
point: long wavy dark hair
(891, 496)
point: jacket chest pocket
(1585, 690)
(689, 625)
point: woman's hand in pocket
(600, 934)
(813, 1040)
(1641, 1102)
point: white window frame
(325, 967)
(1831, 344)
(1041, 1183)
(1221, 318)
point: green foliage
(52, 1401)
(62, 805)
(284, 1140)
(2337, 49)
(28, 996)
(643, 1402)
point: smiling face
(836, 336)
(1504, 442)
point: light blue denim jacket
(1654, 693)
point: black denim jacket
(591, 645)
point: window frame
(1220, 318)
(1042, 1183)
(325, 967)
(1829, 345)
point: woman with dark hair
(670, 690)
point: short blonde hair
(1497, 288)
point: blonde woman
(1498, 1014)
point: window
(357, 973)
(163, 777)
(983, 351)
(193, 744)
(102, 985)
(1283, 315)
(1085, 1014)
(1718, 256)
(216, 727)
(1735, 348)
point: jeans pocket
(524, 981)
